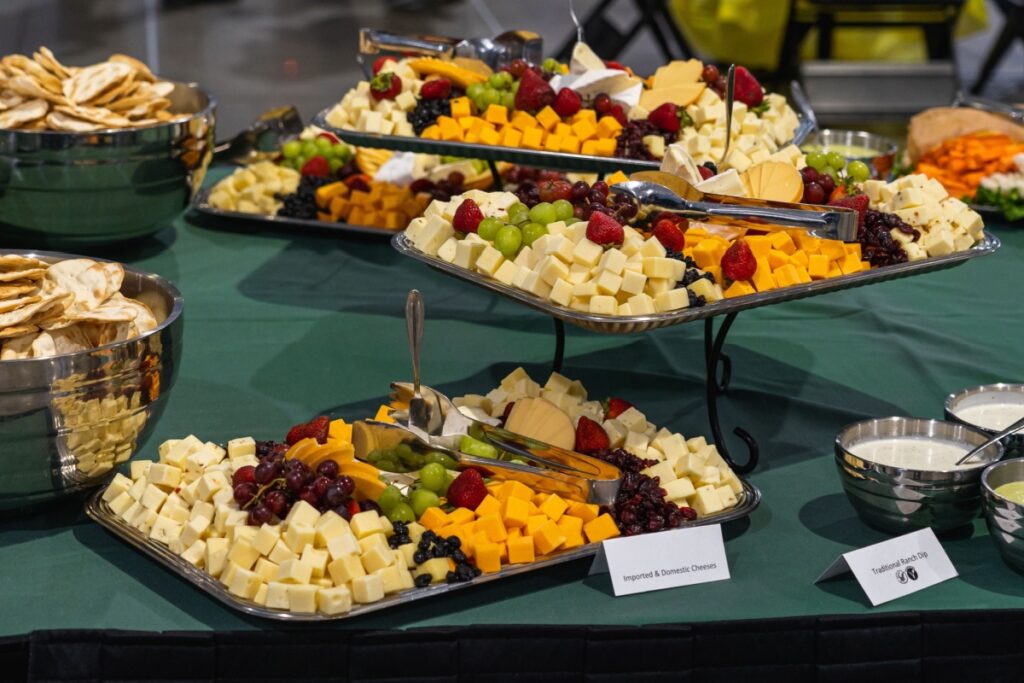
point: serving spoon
(1012, 429)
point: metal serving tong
(495, 52)
(263, 136)
(1014, 113)
(660, 191)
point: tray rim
(98, 510)
(201, 203)
(607, 324)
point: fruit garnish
(738, 262)
(857, 202)
(379, 63)
(317, 166)
(317, 428)
(619, 114)
(567, 102)
(746, 89)
(705, 172)
(665, 117)
(553, 190)
(612, 64)
(467, 490)
(436, 89)
(534, 93)
(385, 86)
(467, 216)
(604, 230)
(326, 135)
(602, 104)
(670, 235)
(591, 437)
(616, 407)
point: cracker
(60, 121)
(28, 274)
(24, 113)
(12, 304)
(10, 99)
(17, 331)
(17, 347)
(23, 85)
(99, 115)
(15, 290)
(44, 57)
(93, 80)
(141, 70)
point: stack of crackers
(69, 306)
(40, 93)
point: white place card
(897, 567)
(667, 559)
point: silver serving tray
(201, 203)
(100, 512)
(565, 161)
(608, 324)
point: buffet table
(282, 326)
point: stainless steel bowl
(988, 393)
(898, 500)
(74, 189)
(883, 149)
(67, 421)
(1005, 518)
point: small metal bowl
(883, 149)
(988, 393)
(1005, 518)
(67, 421)
(76, 189)
(898, 500)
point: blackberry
(696, 300)
(422, 580)
(426, 113)
(302, 202)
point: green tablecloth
(281, 326)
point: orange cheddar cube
(461, 106)
(488, 557)
(503, 552)
(504, 491)
(605, 147)
(782, 241)
(617, 177)
(450, 128)
(448, 530)
(763, 279)
(786, 276)
(802, 274)
(534, 510)
(492, 526)
(539, 499)
(496, 114)
(510, 137)
(716, 272)
(570, 525)
(553, 142)
(488, 506)
(777, 259)
(608, 127)
(851, 264)
(384, 415)
(517, 489)
(395, 220)
(432, 132)
(852, 248)
(355, 216)
(739, 288)
(515, 512)
(706, 254)
(562, 129)
(584, 511)
(584, 130)
(516, 532)
(807, 242)
(471, 123)
(520, 550)
(471, 137)
(523, 121)
(479, 538)
(548, 119)
(489, 136)
(323, 216)
(461, 516)
(800, 258)
(589, 115)
(574, 540)
(817, 266)
(554, 507)
(697, 232)
(570, 144)
(601, 528)
(534, 522)
(834, 270)
(589, 147)
(340, 208)
(833, 249)
(533, 138)
(547, 538)
(434, 519)
(759, 245)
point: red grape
(309, 495)
(827, 183)
(328, 468)
(275, 500)
(295, 479)
(347, 484)
(814, 193)
(320, 486)
(602, 104)
(580, 191)
(245, 492)
(601, 186)
(260, 514)
(266, 471)
(335, 495)
(456, 179)
(710, 73)
(518, 67)
(809, 174)
(244, 475)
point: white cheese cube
(662, 470)
(655, 267)
(705, 501)
(616, 432)
(696, 444)
(551, 269)
(678, 490)
(406, 100)
(633, 419)
(245, 445)
(366, 589)
(636, 443)
(303, 513)
(561, 292)
(391, 577)
(365, 523)
(194, 530)
(195, 554)
(603, 305)
(277, 595)
(121, 504)
(216, 555)
(164, 530)
(434, 232)
(243, 582)
(726, 496)
(641, 304)
(302, 598)
(336, 600)
(298, 536)
(489, 261)
(210, 483)
(316, 559)
(346, 569)
(152, 497)
(243, 554)
(608, 282)
(294, 571)
(342, 545)
(672, 300)
(281, 552)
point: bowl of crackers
(89, 352)
(96, 154)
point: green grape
(432, 476)
(289, 163)
(442, 459)
(506, 79)
(532, 232)
(836, 160)
(858, 170)
(388, 465)
(543, 213)
(508, 100)
(817, 161)
(828, 170)
(480, 449)
(389, 498)
(515, 87)
(291, 149)
(339, 151)
(474, 90)
(422, 499)
(335, 163)
(479, 165)
(490, 96)
(344, 153)
(563, 209)
(520, 461)
(309, 149)
(489, 227)
(373, 456)
(323, 146)
(508, 240)
(550, 64)
(402, 512)
(495, 81)
(477, 432)
(518, 216)
(447, 482)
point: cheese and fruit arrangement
(40, 93)
(586, 107)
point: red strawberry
(436, 89)
(705, 172)
(534, 93)
(665, 117)
(747, 89)
(738, 262)
(379, 63)
(670, 236)
(467, 216)
(353, 508)
(619, 114)
(567, 102)
(385, 86)
(669, 216)
(616, 407)
(316, 165)
(604, 230)
(468, 490)
(857, 202)
(328, 136)
(316, 428)
(591, 437)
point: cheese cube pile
(359, 111)
(253, 189)
(692, 472)
(564, 266)
(309, 562)
(386, 205)
(946, 224)
(515, 525)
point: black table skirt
(930, 647)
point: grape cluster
(877, 243)
(442, 190)
(426, 112)
(825, 170)
(295, 153)
(499, 88)
(630, 143)
(433, 483)
(272, 487)
(302, 202)
(403, 458)
(640, 506)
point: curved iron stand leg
(556, 364)
(713, 356)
